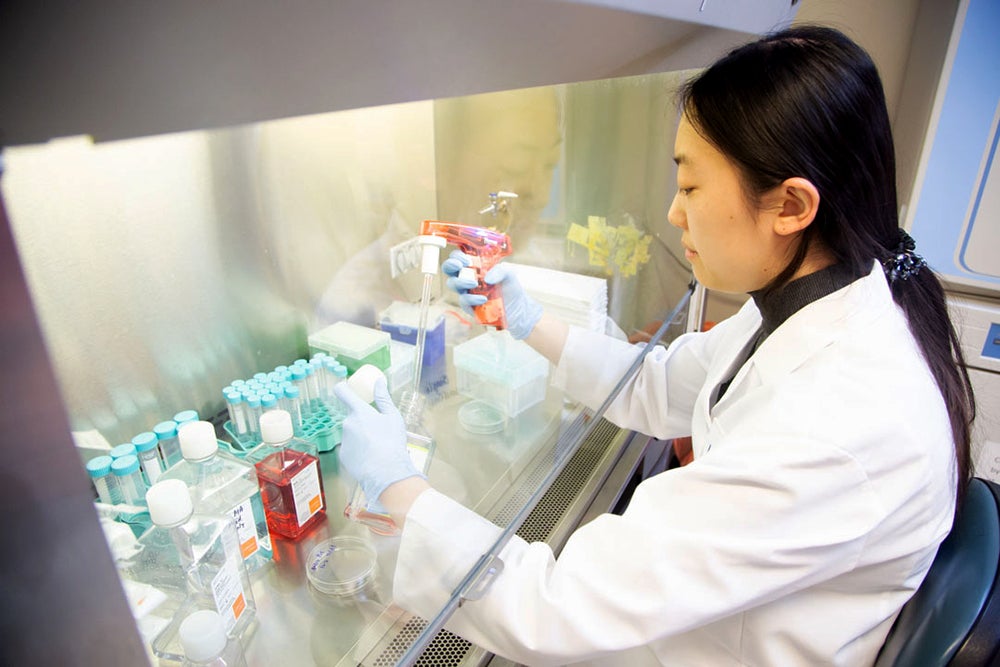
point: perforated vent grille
(448, 650)
(550, 509)
(445, 650)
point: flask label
(306, 491)
(246, 530)
(227, 591)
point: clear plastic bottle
(224, 485)
(203, 637)
(291, 482)
(195, 560)
(170, 448)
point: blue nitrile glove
(522, 312)
(457, 261)
(373, 449)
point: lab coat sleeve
(696, 544)
(660, 399)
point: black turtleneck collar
(778, 305)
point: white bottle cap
(169, 503)
(276, 426)
(363, 382)
(203, 635)
(198, 440)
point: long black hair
(808, 102)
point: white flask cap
(276, 427)
(362, 382)
(169, 503)
(198, 441)
(203, 635)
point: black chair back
(954, 617)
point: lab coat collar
(809, 330)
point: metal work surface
(493, 474)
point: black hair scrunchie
(903, 262)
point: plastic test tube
(300, 382)
(170, 447)
(317, 375)
(125, 449)
(330, 373)
(253, 413)
(237, 414)
(132, 489)
(149, 456)
(99, 469)
(294, 406)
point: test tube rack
(324, 428)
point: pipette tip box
(502, 372)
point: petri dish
(341, 565)
(480, 418)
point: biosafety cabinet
(192, 190)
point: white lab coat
(822, 484)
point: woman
(829, 417)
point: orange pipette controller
(485, 247)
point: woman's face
(730, 243)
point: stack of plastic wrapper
(575, 298)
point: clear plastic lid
(404, 314)
(500, 358)
(481, 418)
(351, 340)
(341, 565)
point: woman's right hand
(521, 311)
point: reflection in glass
(163, 267)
